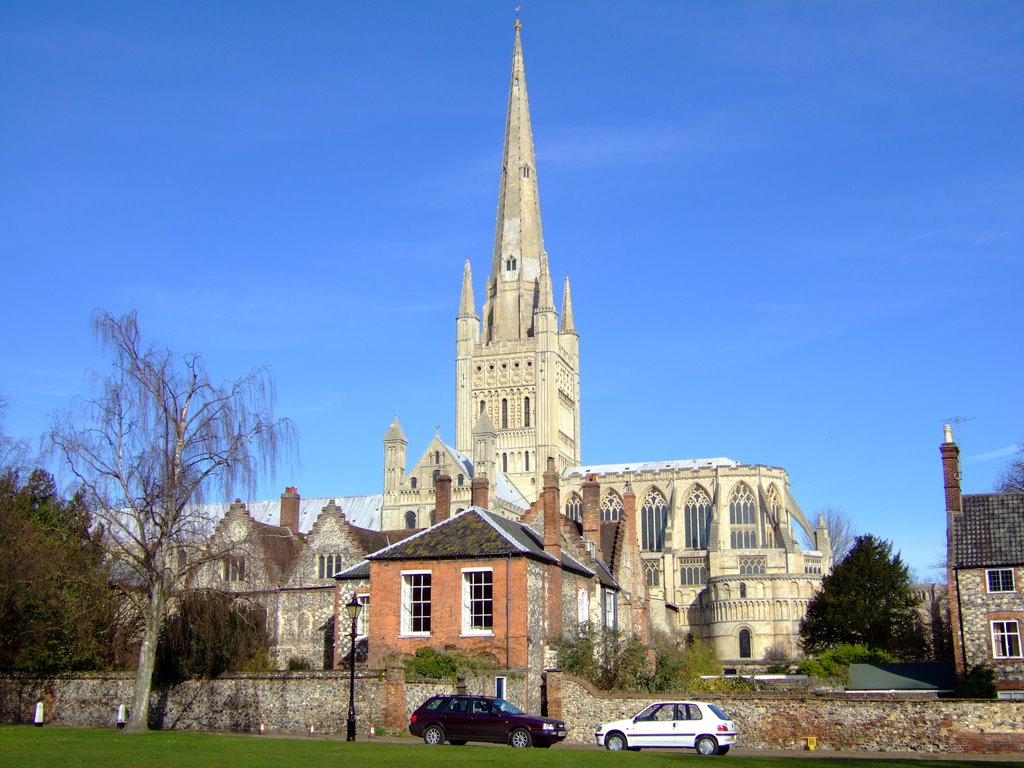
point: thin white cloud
(999, 453)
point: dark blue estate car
(458, 719)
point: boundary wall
(292, 702)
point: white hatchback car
(688, 724)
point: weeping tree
(155, 442)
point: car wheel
(457, 742)
(724, 750)
(433, 735)
(615, 742)
(706, 745)
(520, 738)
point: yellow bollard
(812, 743)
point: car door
(654, 727)
(458, 722)
(688, 724)
(488, 723)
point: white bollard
(122, 716)
(40, 713)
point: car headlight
(549, 726)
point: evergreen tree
(58, 612)
(866, 600)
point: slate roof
(989, 531)
(476, 533)
(361, 511)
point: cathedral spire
(513, 285)
(567, 323)
(467, 306)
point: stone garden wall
(291, 702)
(835, 721)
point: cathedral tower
(521, 369)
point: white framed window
(416, 588)
(363, 621)
(499, 687)
(1000, 580)
(582, 606)
(477, 601)
(1006, 639)
(328, 565)
(610, 608)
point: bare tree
(1011, 477)
(841, 531)
(157, 439)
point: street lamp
(352, 608)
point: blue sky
(793, 229)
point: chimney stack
(479, 489)
(290, 509)
(553, 546)
(950, 452)
(591, 493)
(443, 496)
(951, 471)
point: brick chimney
(950, 452)
(553, 546)
(480, 489)
(442, 496)
(951, 471)
(591, 493)
(290, 509)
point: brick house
(985, 541)
(495, 587)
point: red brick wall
(446, 610)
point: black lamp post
(352, 608)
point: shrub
(979, 683)
(295, 664)
(440, 665)
(835, 662)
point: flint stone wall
(836, 721)
(291, 702)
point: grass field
(28, 747)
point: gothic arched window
(413, 481)
(526, 459)
(574, 508)
(504, 462)
(743, 518)
(611, 507)
(526, 411)
(653, 519)
(483, 405)
(745, 651)
(461, 480)
(743, 590)
(697, 519)
(410, 519)
(504, 413)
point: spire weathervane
(518, 23)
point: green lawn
(26, 747)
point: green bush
(295, 664)
(979, 683)
(835, 662)
(439, 665)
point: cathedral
(720, 552)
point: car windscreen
(718, 711)
(507, 707)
